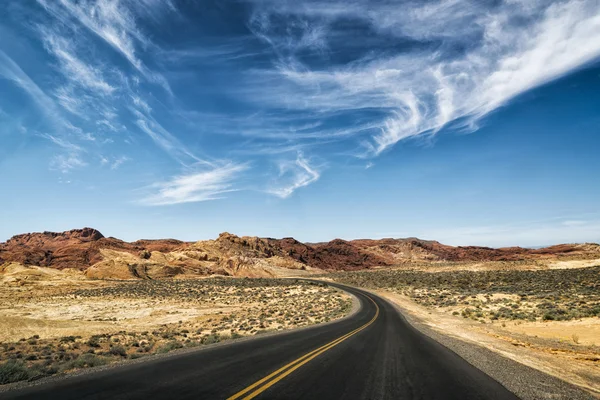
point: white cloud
(67, 162)
(206, 185)
(72, 67)
(13, 72)
(141, 104)
(106, 18)
(114, 22)
(65, 144)
(486, 55)
(118, 162)
(165, 139)
(294, 175)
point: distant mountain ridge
(104, 257)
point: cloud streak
(115, 23)
(72, 67)
(460, 59)
(294, 175)
(205, 185)
(10, 70)
(301, 81)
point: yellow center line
(294, 365)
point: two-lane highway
(374, 354)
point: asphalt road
(374, 354)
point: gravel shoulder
(526, 382)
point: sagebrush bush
(118, 350)
(169, 347)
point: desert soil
(56, 326)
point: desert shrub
(94, 341)
(86, 360)
(169, 346)
(210, 339)
(548, 317)
(13, 371)
(118, 351)
(89, 360)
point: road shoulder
(526, 382)
(180, 352)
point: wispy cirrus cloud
(301, 81)
(162, 137)
(293, 175)
(72, 67)
(208, 184)
(72, 157)
(455, 61)
(67, 162)
(115, 23)
(93, 88)
(114, 163)
(10, 70)
(106, 18)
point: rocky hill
(77, 248)
(101, 257)
(398, 251)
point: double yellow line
(260, 386)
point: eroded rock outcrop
(101, 257)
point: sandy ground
(546, 346)
(53, 326)
(54, 310)
(573, 264)
(585, 331)
(527, 265)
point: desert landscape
(57, 326)
(77, 299)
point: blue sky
(467, 122)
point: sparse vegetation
(218, 309)
(13, 371)
(546, 295)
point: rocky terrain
(97, 256)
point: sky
(470, 122)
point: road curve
(374, 354)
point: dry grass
(55, 329)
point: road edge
(181, 352)
(525, 382)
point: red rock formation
(80, 249)
(77, 248)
